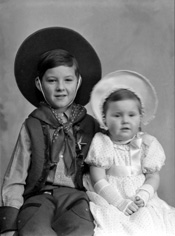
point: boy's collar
(44, 113)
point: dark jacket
(40, 126)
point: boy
(42, 191)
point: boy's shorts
(61, 211)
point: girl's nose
(125, 119)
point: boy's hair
(119, 95)
(54, 58)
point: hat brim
(41, 41)
(124, 79)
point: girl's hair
(119, 95)
(54, 58)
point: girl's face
(59, 86)
(123, 119)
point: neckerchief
(64, 139)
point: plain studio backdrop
(136, 35)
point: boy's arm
(14, 181)
(10, 233)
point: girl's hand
(139, 202)
(131, 208)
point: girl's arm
(111, 195)
(97, 173)
(147, 190)
(153, 179)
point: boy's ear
(79, 82)
(38, 83)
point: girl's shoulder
(151, 141)
(147, 138)
(101, 151)
(154, 155)
(104, 139)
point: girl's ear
(140, 126)
(38, 84)
(104, 119)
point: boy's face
(59, 86)
(123, 119)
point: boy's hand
(131, 208)
(10, 233)
(139, 202)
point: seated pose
(42, 193)
(125, 162)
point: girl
(125, 162)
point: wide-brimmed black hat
(51, 38)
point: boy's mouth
(60, 96)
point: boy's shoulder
(90, 118)
(89, 124)
(31, 121)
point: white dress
(157, 218)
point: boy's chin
(61, 108)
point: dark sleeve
(89, 127)
(8, 216)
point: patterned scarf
(65, 134)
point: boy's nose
(60, 85)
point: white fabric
(111, 195)
(131, 81)
(146, 192)
(157, 218)
(144, 195)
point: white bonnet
(124, 79)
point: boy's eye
(51, 80)
(68, 79)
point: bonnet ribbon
(135, 150)
(135, 156)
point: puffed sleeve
(101, 152)
(154, 157)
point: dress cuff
(8, 219)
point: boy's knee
(38, 232)
(76, 221)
